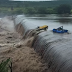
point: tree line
(31, 7)
(61, 9)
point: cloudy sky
(32, 0)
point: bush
(4, 66)
(64, 9)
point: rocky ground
(24, 58)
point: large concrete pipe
(55, 49)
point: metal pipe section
(55, 49)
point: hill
(7, 3)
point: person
(60, 28)
(37, 27)
(45, 27)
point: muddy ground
(24, 58)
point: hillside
(6, 3)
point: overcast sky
(32, 0)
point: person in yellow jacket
(45, 27)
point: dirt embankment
(24, 58)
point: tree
(42, 10)
(50, 11)
(64, 9)
(18, 11)
(31, 10)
